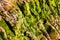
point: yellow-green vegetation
(29, 19)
